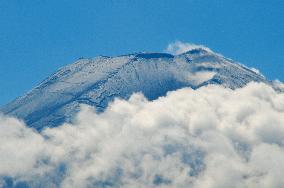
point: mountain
(98, 81)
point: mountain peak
(198, 50)
(98, 81)
(153, 55)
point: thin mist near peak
(178, 47)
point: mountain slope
(98, 81)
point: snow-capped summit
(98, 81)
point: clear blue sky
(37, 37)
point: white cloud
(179, 47)
(209, 137)
(200, 77)
(278, 85)
(255, 70)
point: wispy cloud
(209, 137)
(179, 47)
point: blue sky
(38, 37)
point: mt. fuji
(98, 81)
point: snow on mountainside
(98, 81)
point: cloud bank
(209, 137)
(179, 47)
